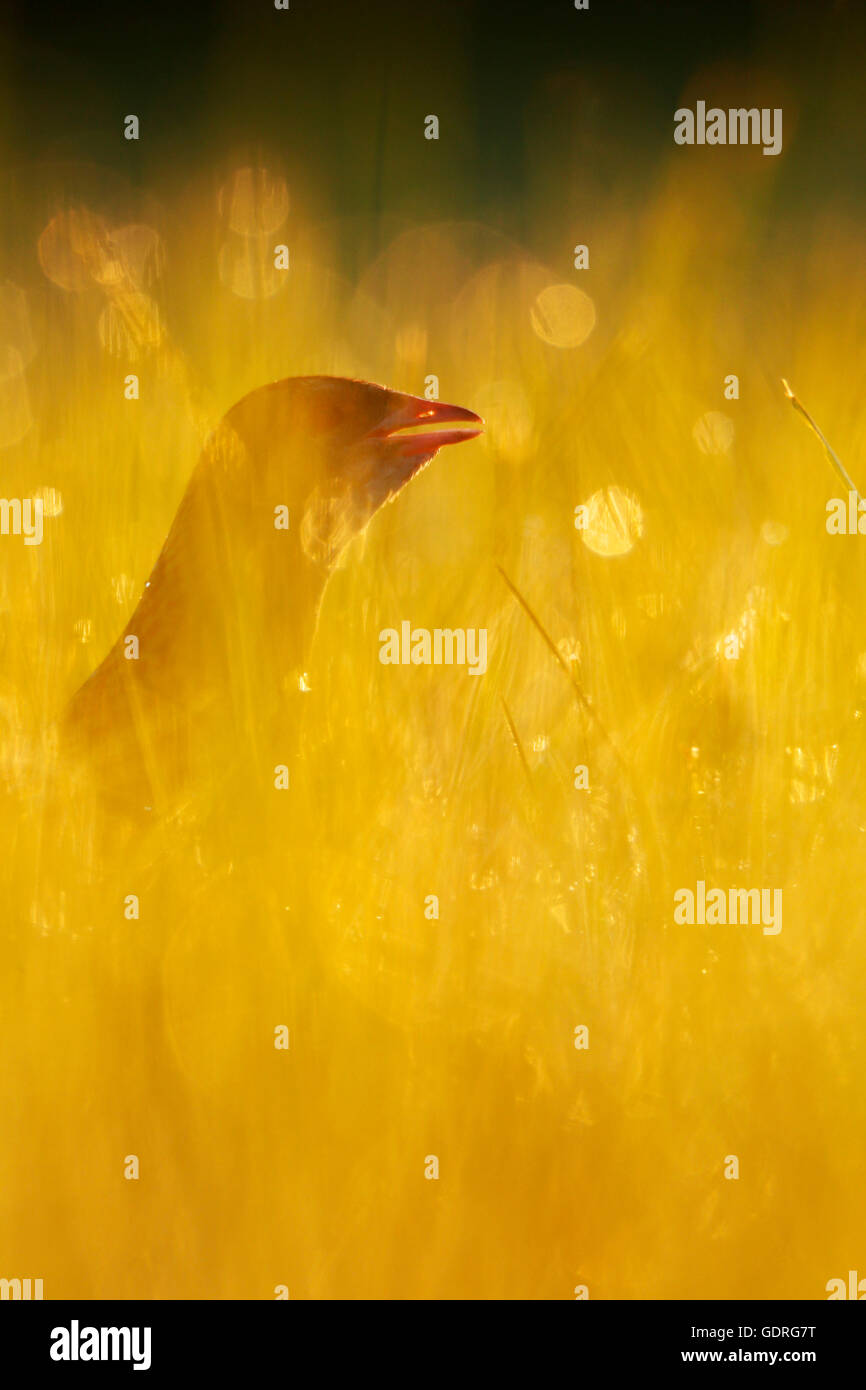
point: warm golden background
(452, 1037)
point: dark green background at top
(340, 90)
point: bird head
(335, 450)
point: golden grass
(454, 1037)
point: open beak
(415, 425)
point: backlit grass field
(453, 1037)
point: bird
(291, 474)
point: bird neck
(230, 599)
(208, 666)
